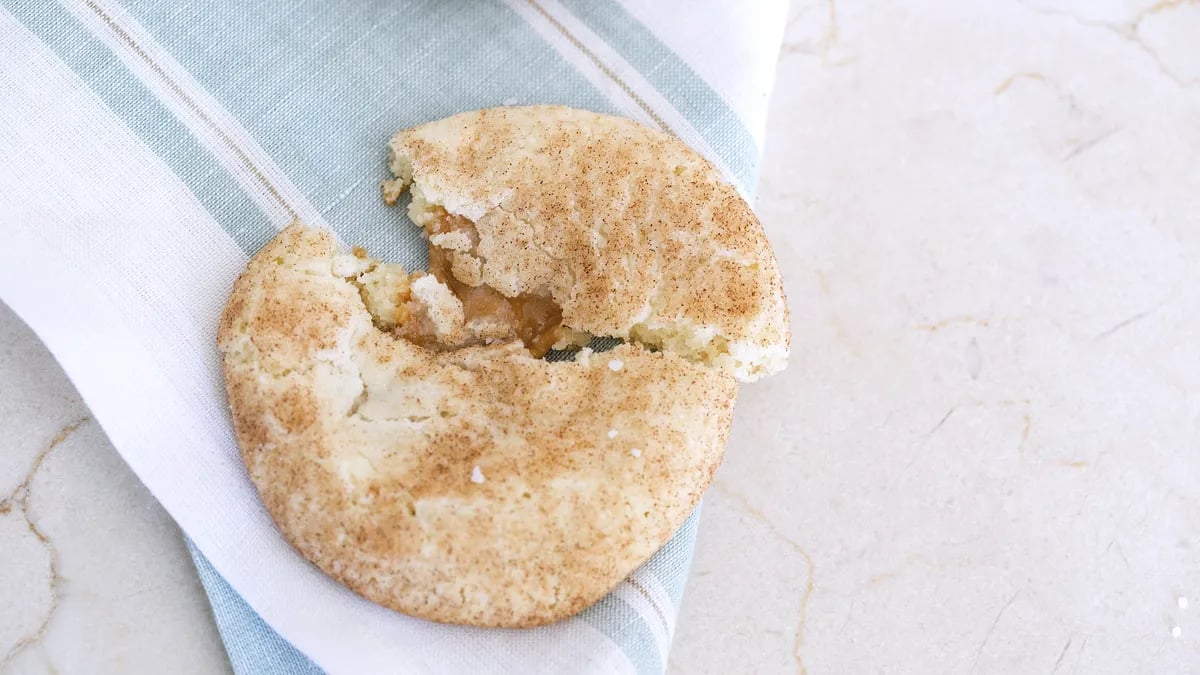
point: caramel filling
(535, 319)
(487, 315)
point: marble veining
(94, 576)
(19, 500)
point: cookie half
(477, 486)
(629, 231)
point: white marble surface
(984, 457)
(94, 576)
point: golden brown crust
(477, 486)
(631, 232)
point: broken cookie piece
(627, 231)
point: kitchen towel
(148, 148)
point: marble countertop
(984, 456)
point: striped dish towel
(148, 148)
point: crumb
(636, 452)
(616, 364)
(477, 475)
(612, 433)
(392, 190)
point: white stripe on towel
(216, 129)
